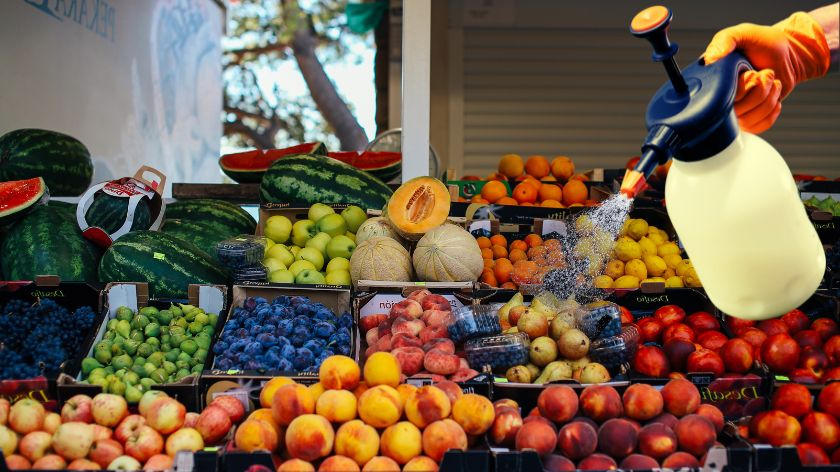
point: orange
(506, 201)
(533, 240)
(525, 192)
(502, 270)
(537, 166)
(550, 192)
(499, 252)
(511, 165)
(518, 244)
(526, 204)
(462, 200)
(483, 242)
(478, 199)
(493, 191)
(524, 271)
(488, 277)
(549, 178)
(489, 263)
(517, 255)
(591, 203)
(551, 204)
(530, 180)
(510, 286)
(552, 244)
(498, 240)
(562, 167)
(496, 176)
(574, 192)
(537, 252)
(486, 253)
(580, 177)
(575, 205)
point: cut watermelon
(17, 197)
(385, 166)
(248, 167)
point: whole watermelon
(63, 161)
(203, 235)
(47, 242)
(168, 264)
(226, 217)
(108, 212)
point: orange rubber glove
(785, 54)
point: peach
(419, 295)
(427, 405)
(774, 326)
(380, 406)
(371, 337)
(780, 352)
(384, 329)
(677, 351)
(832, 350)
(17, 462)
(401, 441)
(268, 389)
(756, 337)
(405, 391)
(695, 434)
(338, 464)
(381, 464)
(705, 360)
(383, 343)
(826, 327)
(443, 435)
(410, 359)
(775, 427)
(436, 318)
(339, 372)
(421, 464)
(638, 462)
(811, 454)
(601, 403)
(50, 462)
(291, 401)
(506, 402)
(407, 308)
(597, 462)
(382, 368)
(712, 340)
(650, 329)
(440, 362)
(793, 399)
(828, 400)
(557, 463)
(821, 429)
(265, 414)
(577, 440)
(738, 324)
(357, 441)
(679, 460)
(337, 406)
(432, 332)
(360, 389)
(441, 344)
(657, 440)
(296, 465)
(254, 435)
(451, 389)
(642, 402)
(436, 302)
(505, 426)
(404, 340)
(317, 389)
(407, 326)
(371, 322)
(713, 414)
(463, 375)
(651, 361)
(617, 438)
(737, 356)
(681, 397)
(558, 403)
(309, 437)
(474, 413)
(678, 331)
(702, 321)
(669, 314)
(537, 435)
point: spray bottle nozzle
(660, 142)
(652, 24)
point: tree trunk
(330, 104)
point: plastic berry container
(244, 250)
(599, 319)
(615, 350)
(254, 273)
(499, 351)
(473, 321)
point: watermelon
(68, 209)
(47, 242)
(226, 217)
(108, 212)
(385, 166)
(203, 235)
(63, 161)
(316, 179)
(166, 263)
(18, 197)
(248, 167)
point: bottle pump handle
(652, 24)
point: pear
(515, 300)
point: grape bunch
(35, 338)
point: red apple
(831, 374)
(83, 464)
(108, 409)
(678, 330)
(158, 462)
(796, 321)
(813, 359)
(166, 415)
(124, 463)
(826, 327)
(702, 321)
(128, 427)
(780, 352)
(677, 350)
(50, 462)
(185, 439)
(26, 415)
(213, 424)
(651, 361)
(101, 432)
(738, 324)
(737, 355)
(832, 351)
(35, 445)
(4, 411)
(73, 440)
(77, 408)
(145, 443)
(51, 422)
(190, 419)
(104, 451)
(808, 337)
(803, 376)
(774, 326)
(147, 399)
(650, 329)
(669, 314)
(234, 407)
(712, 340)
(705, 361)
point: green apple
(318, 211)
(312, 255)
(354, 216)
(351, 236)
(300, 265)
(268, 245)
(294, 250)
(281, 277)
(338, 277)
(310, 276)
(278, 228)
(338, 263)
(271, 264)
(340, 246)
(301, 232)
(281, 253)
(319, 242)
(332, 224)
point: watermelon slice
(248, 167)
(17, 197)
(385, 166)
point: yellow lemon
(648, 247)
(668, 273)
(583, 224)
(667, 248)
(655, 265)
(603, 281)
(671, 260)
(674, 282)
(615, 268)
(626, 281)
(624, 239)
(636, 268)
(657, 238)
(664, 235)
(691, 279)
(637, 228)
(627, 250)
(682, 267)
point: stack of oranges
(540, 183)
(523, 261)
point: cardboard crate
(246, 385)
(70, 295)
(210, 298)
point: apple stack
(316, 250)
(99, 433)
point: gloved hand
(785, 54)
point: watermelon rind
(225, 216)
(253, 172)
(62, 160)
(361, 160)
(19, 197)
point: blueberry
(302, 359)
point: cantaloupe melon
(447, 253)
(417, 206)
(376, 226)
(381, 258)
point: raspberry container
(599, 319)
(240, 251)
(498, 352)
(473, 321)
(615, 350)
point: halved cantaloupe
(417, 206)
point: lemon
(655, 265)
(626, 281)
(602, 242)
(668, 273)
(637, 228)
(627, 250)
(652, 229)
(667, 248)
(648, 247)
(682, 267)
(603, 281)
(624, 239)
(664, 235)
(674, 282)
(636, 268)
(657, 238)
(690, 279)
(671, 260)
(624, 227)
(652, 280)
(583, 224)
(615, 268)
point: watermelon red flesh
(249, 166)
(17, 196)
(383, 165)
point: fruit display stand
(69, 295)
(135, 296)
(246, 385)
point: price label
(480, 225)
(554, 226)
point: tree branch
(238, 54)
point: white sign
(383, 302)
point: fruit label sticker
(383, 302)
(159, 256)
(119, 188)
